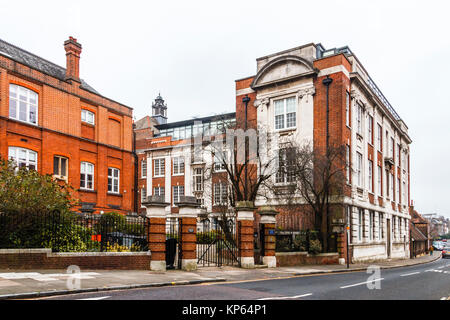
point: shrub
(315, 246)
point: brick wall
(45, 259)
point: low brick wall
(289, 259)
(45, 259)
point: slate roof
(38, 63)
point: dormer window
(23, 104)
(87, 116)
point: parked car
(437, 245)
(446, 252)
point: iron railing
(74, 232)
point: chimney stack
(73, 51)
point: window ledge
(114, 194)
(87, 124)
(178, 175)
(87, 190)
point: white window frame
(178, 166)
(370, 129)
(61, 175)
(115, 180)
(159, 191)
(144, 168)
(359, 119)
(380, 226)
(27, 101)
(198, 175)
(86, 165)
(347, 160)
(380, 172)
(359, 175)
(23, 157)
(159, 167)
(379, 136)
(219, 165)
(360, 224)
(370, 169)
(391, 177)
(88, 116)
(143, 195)
(176, 194)
(220, 194)
(285, 113)
(371, 225)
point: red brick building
(51, 120)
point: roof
(416, 234)
(417, 217)
(38, 63)
(191, 121)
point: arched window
(23, 157)
(23, 104)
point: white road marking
(361, 283)
(282, 298)
(409, 274)
(47, 276)
(96, 298)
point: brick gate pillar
(268, 215)
(156, 212)
(245, 220)
(188, 214)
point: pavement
(20, 284)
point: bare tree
(314, 178)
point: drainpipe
(245, 100)
(136, 168)
(327, 82)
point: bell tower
(159, 110)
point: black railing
(74, 232)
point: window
(159, 191)
(87, 176)
(370, 175)
(392, 185)
(178, 191)
(143, 168)
(360, 224)
(347, 160)
(159, 167)
(286, 166)
(347, 109)
(60, 167)
(359, 115)
(23, 104)
(359, 169)
(399, 154)
(404, 193)
(380, 226)
(398, 190)
(379, 138)
(370, 129)
(380, 181)
(219, 159)
(113, 180)
(198, 179)
(371, 225)
(220, 194)
(388, 188)
(23, 157)
(178, 165)
(143, 195)
(87, 116)
(285, 114)
(392, 149)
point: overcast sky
(192, 51)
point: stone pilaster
(188, 213)
(156, 212)
(245, 220)
(268, 215)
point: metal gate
(174, 250)
(217, 243)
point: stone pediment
(282, 69)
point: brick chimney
(73, 50)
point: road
(429, 281)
